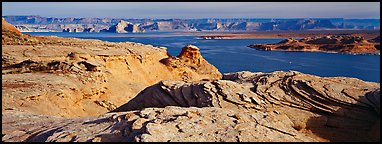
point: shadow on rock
(357, 123)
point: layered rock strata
(277, 106)
(125, 27)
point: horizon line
(201, 18)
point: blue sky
(195, 9)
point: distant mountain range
(119, 25)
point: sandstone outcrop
(72, 77)
(168, 124)
(189, 63)
(12, 36)
(125, 27)
(328, 107)
(245, 106)
(334, 109)
(331, 43)
(5, 26)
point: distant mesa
(38, 23)
(70, 89)
(332, 43)
(125, 27)
(120, 27)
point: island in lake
(331, 43)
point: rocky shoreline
(332, 43)
(74, 90)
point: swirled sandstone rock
(154, 124)
(336, 109)
(277, 106)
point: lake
(232, 55)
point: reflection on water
(231, 55)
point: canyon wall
(38, 23)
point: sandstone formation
(335, 109)
(125, 27)
(73, 77)
(67, 89)
(12, 36)
(245, 106)
(332, 43)
(168, 124)
(190, 63)
(6, 26)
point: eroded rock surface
(245, 106)
(327, 107)
(190, 63)
(8, 27)
(73, 77)
(156, 124)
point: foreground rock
(278, 106)
(332, 43)
(72, 77)
(154, 124)
(335, 109)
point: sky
(190, 10)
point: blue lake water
(232, 55)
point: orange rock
(7, 26)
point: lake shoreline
(244, 58)
(283, 34)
